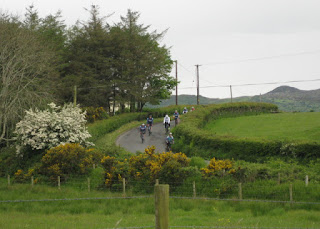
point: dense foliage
(57, 125)
(191, 138)
(114, 66)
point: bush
(68, 160)
(146, 167)
(41, 130)
(95, 113)
(195, 141)
(198, 162)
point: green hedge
(191, 139)
(169, 110)
(102, 127)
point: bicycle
(149, 130)
(169, 148)
(167, 127)
(176, 121)
(142, 136)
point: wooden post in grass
(32, 181)
(124, 186)
(194, 189)
(240, 191)
(59, 183)
(94, 166)
(9, 180)
(157, 181)
(89, 184)
(161, 197)
(279, 181)
(307, 180)
(290, 192)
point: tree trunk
(132, 104)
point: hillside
(285, 97)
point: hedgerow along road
(131, 140)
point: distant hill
(287, 98)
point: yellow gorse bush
(146, 166)
(217, 167)
(68, 159)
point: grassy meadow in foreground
(279, 126)
(113, 213)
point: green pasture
(113, 213)
(278, 126)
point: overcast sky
(234, 41)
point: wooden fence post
(59, 183)
(94, 166)
(89, 184)
(157, 181)
(194, 189)
(290, 192)
(161, 196)
(307, 180)
(279, 181)
(32, 181)
(9, 183)
(240, 191)
(124, 186)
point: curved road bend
(131, 140)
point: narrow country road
(131, 140)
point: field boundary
(193, 140)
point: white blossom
(52, 127)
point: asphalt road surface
(131, 140)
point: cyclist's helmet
(167, 116)
(142, 124)
(176, 111)
(170, 134)
(185, 108)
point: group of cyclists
(166, 121)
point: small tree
(57, 125)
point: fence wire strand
(72, 199)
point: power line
(255, 84)
(263, 58)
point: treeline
(42, 60)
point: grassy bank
(113, 213)
(279, 126)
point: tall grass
(113, 213)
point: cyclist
(150, 122)
(169, 141)
(192, 109)
(142, 130)
(185, 110)
(166, 121)
(176, 117)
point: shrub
(67, 160)
(198, 162)
(218, 168)
(146, 167)
(41, 130)
(95, 113)
(193, 140)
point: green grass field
(280, 126)
(119, 213)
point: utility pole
(198, 100)
(231, 92)
(176, 81)
(260, 97)
(75, 96)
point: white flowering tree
(52, 127)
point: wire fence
(259, 191)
